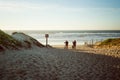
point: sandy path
(57, 64)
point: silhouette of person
(74, 44)
(66, 44)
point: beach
(114, 51)
(58, 64)
(24, 58)
(59, 39)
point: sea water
(59, 37)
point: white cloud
(23, 6)
(14, 5)
(55, 15)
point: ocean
(58, 37)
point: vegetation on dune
(112, 42)
(26, 40)
(17, 41)
(8, 41)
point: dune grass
(113, 42)
(8, 41)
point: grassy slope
(28, 41)
(112, 42)
(8, 42)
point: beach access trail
(57, 64)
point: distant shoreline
(62, 30)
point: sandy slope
(113, 51)
(57, 64)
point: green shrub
(114, 42)
(8, 41)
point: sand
(114, 52)
(58, 64)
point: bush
(114, 42)
(8, 41)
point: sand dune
(33, 61)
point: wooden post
(92, 42)
(46, 36)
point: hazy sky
(60, 14)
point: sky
(60, 14)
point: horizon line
(60, 30)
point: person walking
(74, 44)
(66, 44)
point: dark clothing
(74, 44)
(66, 44)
